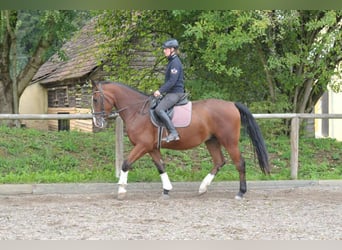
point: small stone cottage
(62, 86)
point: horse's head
(101, 107)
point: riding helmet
(171, 43)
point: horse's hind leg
(239, 162)
(214, 149)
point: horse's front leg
(167, 186)
(123, 180)
(134, 155)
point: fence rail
(119, 130)
(298, 115)
(47, 116)
(89, 116)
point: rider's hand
(156, 93)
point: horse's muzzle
(99, 121)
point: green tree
(132, 33)
(32, 36)
(294, 53)
(281, 59)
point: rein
(145, 104)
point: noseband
(102, 113)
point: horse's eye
(95, 100)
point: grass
(32, 156)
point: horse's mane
(125, 86)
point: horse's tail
(254, 133)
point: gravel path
(296, 213)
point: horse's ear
(93, 83)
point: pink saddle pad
(182, 115)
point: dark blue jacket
(174, 76)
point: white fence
(119, 130)
(295, 132)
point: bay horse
(213, 121)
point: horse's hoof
(202, 191)
(165, 196)
(238, 197)
(121, 196)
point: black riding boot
(173, 134)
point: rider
(172, 89)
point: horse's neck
(129, 104)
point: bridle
(102, 113)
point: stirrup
(171, 137)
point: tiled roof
(80, 58)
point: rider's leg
(167, 102)
(173, 134)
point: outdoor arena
(270, 210)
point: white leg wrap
(205, 183)
(122, 189)
(123, 177)
(166, 181)
(123, 182)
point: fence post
(119, 147)
(294, 147)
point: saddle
(180, 115)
